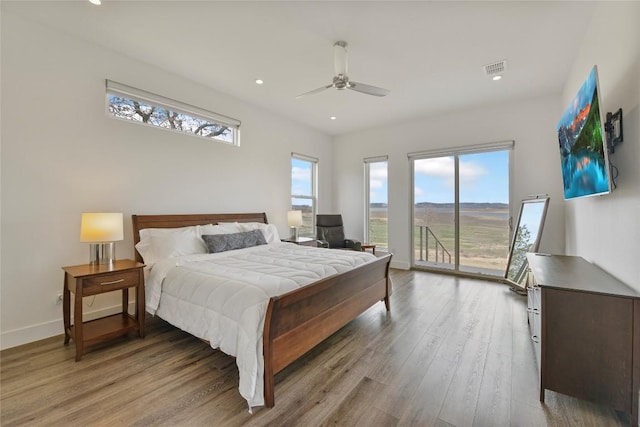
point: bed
(294, 321)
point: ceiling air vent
(495, 68)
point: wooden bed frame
(299, 320)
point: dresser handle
(113, 282)
(535, 339)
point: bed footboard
(299, 320)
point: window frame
(314, 188)
(367, 195)
(158, 101)
(456, 152)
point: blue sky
(531, 215)
(378, 182)
(484, 177)
(301, 177)
(301, 181)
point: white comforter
(223, 297)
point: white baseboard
(55, 327)
(51, 329)
(401, 265)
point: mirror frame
(536, 243)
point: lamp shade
(294, 218)
(101, 227)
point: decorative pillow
(156, 245)
(226, 242)
(269, 231)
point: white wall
(536, 163)
(606, 230)
(61, 156)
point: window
(303, 191)
(461, 208)
(376, 195)
(128, 103)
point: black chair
(330, 231)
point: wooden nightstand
(368, 246)
(86, 280)
(303, 241)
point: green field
(484, 235)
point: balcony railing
(438, 247)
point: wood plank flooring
(452, 352)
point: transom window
(128, 103)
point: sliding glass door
(434, 211)
(484, 212)
(461, 210)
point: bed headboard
(173, 221)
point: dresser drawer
(110, 282)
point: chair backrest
(330, 228)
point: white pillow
(269, 231)
(222, 228)
(158, 244)
(148, 232)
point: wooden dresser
(587, 324)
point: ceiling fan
(341, 80)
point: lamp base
(294, 233)
(102, 253)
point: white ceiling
(429, 54)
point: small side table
(303, 241)
(372, 247)
(89, 279)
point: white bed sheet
(223, 297)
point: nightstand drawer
(110, 282)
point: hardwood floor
(453, 352)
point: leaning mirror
(526, 238)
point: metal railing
(425, 231)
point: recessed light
(259, 81)
(96, 2)
(496, 78)
(332, 117)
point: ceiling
(429, 54)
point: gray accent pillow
(227, 242)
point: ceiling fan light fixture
(341, 79)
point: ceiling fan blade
(340, 58)
(368, 89)
(311, 92)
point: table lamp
(101, 230)
(294, 218)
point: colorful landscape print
(584, 167)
